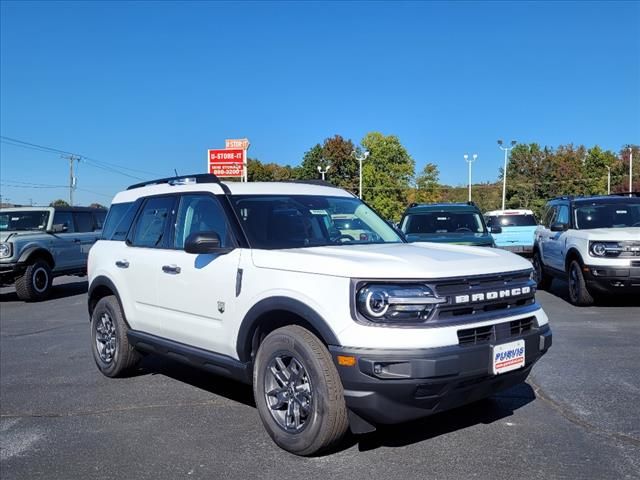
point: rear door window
(84, 221)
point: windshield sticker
(318, 212)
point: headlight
(396, 303)
(5, 250)
(602, 249)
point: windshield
(512, 221)
(443, 222)
(295, 221)
(24, 220)
(608, 215)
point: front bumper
(394, 386)
(613, 279)
(520, 249)
(9, 272)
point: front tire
(35, 284)
(298, 392)
(112, 352)
(579, 295)
(542, 279)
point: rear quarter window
(118, 221)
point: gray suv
(38, 244)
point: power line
(108, 166)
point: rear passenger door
(197, 292)
(141, 258)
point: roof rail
(624, 194)
(564, 197)
(198, 178)
(322, 183)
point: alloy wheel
(106, 341)
(288, 393)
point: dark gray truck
(38, 244)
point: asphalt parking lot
(577, 417)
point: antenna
(176, 172)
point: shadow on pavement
(62, 290)
(231, 389)
(485, 411)
(560, 289)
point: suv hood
(5, 234)
(610, 234)
(393, 261)
(453, 238)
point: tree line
(391, 182)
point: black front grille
(455, 312)
(498, 332)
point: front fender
(279, 303)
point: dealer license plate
(508, 356)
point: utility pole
(360, 159)
(466, 159)
(504, 172)
(72, 179)
(323, 172)
(608, 180)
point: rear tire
(112, 352)
(579, 295)
(298, 392)
(35, 284)
(543, 279)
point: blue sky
(150, 86)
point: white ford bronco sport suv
(252, 281)
(593, 242)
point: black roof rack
(198, 177)
(312, 181)
(587, 197)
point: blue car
(518, 229)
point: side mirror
(204, 242)
(496, 229)
(558, 227)
(59, 228)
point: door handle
(76, 240)
(173, 269)
(122, 264)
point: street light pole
(630, 170)
(504, 172)
(473, 159)
(323, 172)
(608, 180)
(360, 159)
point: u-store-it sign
(226, 163)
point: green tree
(622, 170)
(308, 169)
(59, 203)
(337, 153)
(427, 189)
(387, 174)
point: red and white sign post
(230, 162)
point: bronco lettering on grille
(492, 295)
